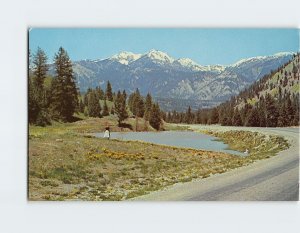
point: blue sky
(205, 46)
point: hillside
(176, 79)
(271, 101)
(285, 81)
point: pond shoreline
(177, 139)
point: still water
(185, 139)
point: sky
(204, 46)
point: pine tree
(155, 119)
(226, 115)
(130, 102)
(33, 106)
(100, 93)
(124, 96)
(253, 118)
(189, 115)
(136, 104)
(245, 112)
(64, 92)
(290, 111)
(148, 105)
(237, 120)
(271, 111)
(86, 98)
(282, 118)
(295, 70)
(38, 112)
(120, 108)
(94, 108)
(81, 106)
(214, 116)
(112, 110)
(108, 92)
(105, 111)
(40, 69)
(169, 117)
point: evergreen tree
(33, 105)
(120, 108)
(130, 102)
(108, 92)
(189, 116)
(64, 92)
(137, 104)
(237, 120)
(148, 106)
(282, 118)
(155, 119)
(124, 96)
(253, 118)
(226, 115)
(245, 112)
(214, 116)
(105, 111)
(169, 117)
(100, 93)
(290, 111)
(112, 110)
(261, 106)
(86, 98)
(81, 106)
(94, 108)
(40, 69)
(271, 111)
(37, 96)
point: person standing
(107, 133)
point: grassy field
(66, 163)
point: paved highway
(273, 179)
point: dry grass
(66, 164)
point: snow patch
(126, 57)
(159, 56)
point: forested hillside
(272, 101)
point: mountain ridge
(166, 77)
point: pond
(186, 139)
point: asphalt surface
(273, 179)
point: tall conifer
(108, 92)
(64, 91)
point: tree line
(58, 98)
(270, 102)
(121, 105)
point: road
(273, 179)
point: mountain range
(172, 81)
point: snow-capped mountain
(260, 58)
(159, 57)
(170, 78)
(125, 57)
(188, 63)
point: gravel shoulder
(273, 179)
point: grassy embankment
(65, 163)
